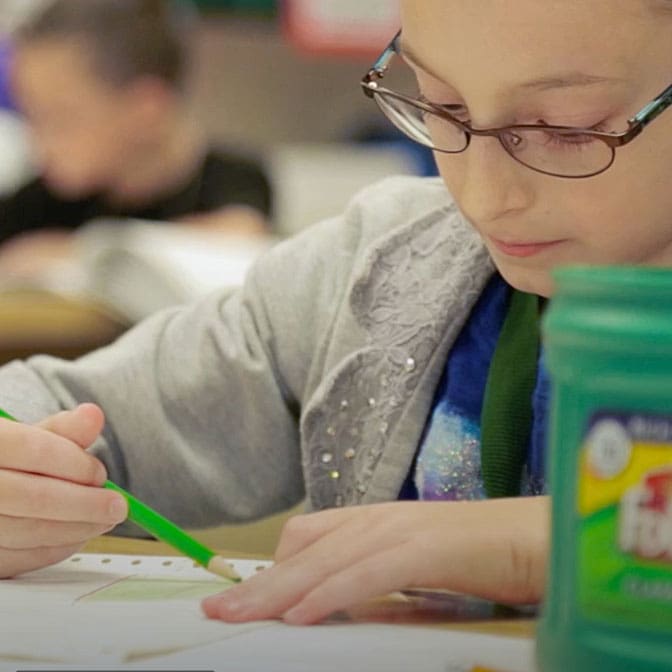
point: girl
(387, 355)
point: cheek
(451, 171)
(103, 147)
(90, 151)
(80, 161)
(638, 206)
(626, 213)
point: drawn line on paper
(91, 593)
(140, 589)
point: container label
(625, 511)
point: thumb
(81, 425)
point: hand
(51, 501)
(237, 221)
(328, 561)
(31, 255)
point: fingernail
(118, 509)
(295, 616)
(216, 602)
(232, 606)
(210, 602)
(223, 607)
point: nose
(486, 182)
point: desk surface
(41, 322)
(436, 610)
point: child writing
(378, 356)
(101, 84)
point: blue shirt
(448, 462)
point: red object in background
(359, 28)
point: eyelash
(576, 141)
(556, 139)
(450, 108)
(560, 141)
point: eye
(456, 110)
(569, 140)
(578, 140)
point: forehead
(527, 38)
(53, 62)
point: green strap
(506, 417)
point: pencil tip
(221, 567)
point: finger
(272, 592)
(13, 563)
(29, 533)
(373, 576)
(265, 595)
(81, 425)
(36, 450)
(301, 531)
(33, 496)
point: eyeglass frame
(613, 140)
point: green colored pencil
(164, 530)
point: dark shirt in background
(221, 180)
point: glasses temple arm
(657, 106)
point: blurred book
(138, 267)
(132, 268)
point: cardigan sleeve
(202, 402)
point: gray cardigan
(316, 378)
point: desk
(39, 322)
(426, 612)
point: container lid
(615, 279)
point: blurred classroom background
(278, 79)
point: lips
(523, 249)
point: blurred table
(39, 322)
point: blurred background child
(101, 84)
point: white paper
(111, 608)
(127, 612)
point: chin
(68, 190)
(528, 280)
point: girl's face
(580, 63)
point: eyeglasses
(560, 151)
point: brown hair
(128, 39)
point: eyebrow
(563, 80)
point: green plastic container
(608, 340)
